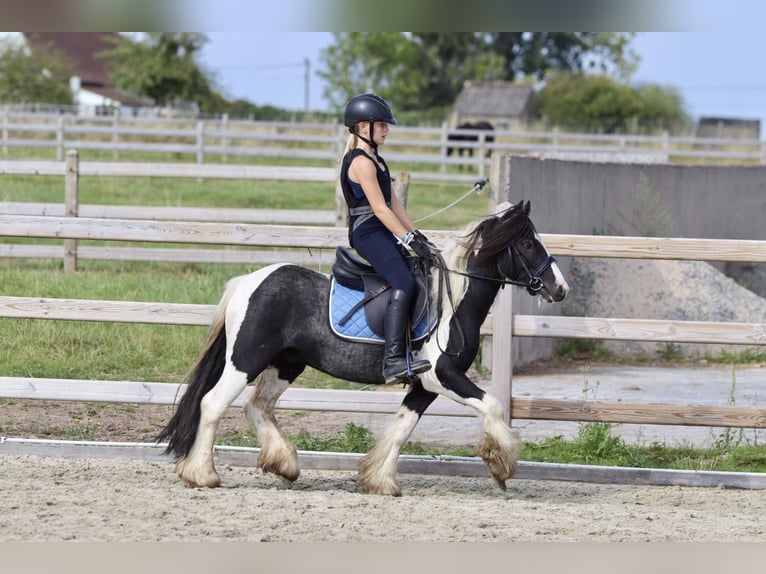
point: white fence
(423, 149)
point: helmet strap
(371, 141)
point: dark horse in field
(274, 322)
(466, 132)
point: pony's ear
(526, 207)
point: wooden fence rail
(502, 325)
(425, 146)
(72, 169)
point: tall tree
(162, 66)
(39, 76)
(423, 70)
(587, 102)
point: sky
(718, 73)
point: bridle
(533, 284)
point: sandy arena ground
(57, 499)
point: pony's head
(509, 246)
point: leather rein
(533, 284)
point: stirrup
(409, 371)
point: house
(91, 87)
(728, 128)
(506, 105)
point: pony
(274, 322)
(459, 136)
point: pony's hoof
(198, 479)
(383, 490)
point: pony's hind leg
(377, 472)
(277, 455)
(197, 469)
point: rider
(379, 226)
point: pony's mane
(494, 234)
(485, 238)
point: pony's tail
(181, 431)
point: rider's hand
(420, 244)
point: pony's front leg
(197, 469)
(500, 445)
(277, 454)
(377, 472)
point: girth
(352, 272)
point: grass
(595, 444)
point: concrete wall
(724, 202)
(579, 197)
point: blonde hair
(350, 143)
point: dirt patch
(139, 423)
(55, 499)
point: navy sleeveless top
(359, 209)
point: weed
(671, 352)
(592, 349)
(648, 218)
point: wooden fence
(425, 149)
(503, 325)
(72, 169)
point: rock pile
(656, 289)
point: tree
(540, 54)
(578, 101)
(162, 66)
(425, 70)
(39, 76)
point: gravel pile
(671, 290)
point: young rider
(379, 226)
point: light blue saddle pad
(343, 299)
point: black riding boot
(395, 366)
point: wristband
(406, 238)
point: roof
(501, 99)
(80, 49)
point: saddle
(359, 296)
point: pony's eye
(527, 244)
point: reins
(533, 285)
(477, 187)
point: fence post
(71, 193)
(499, 182)
(6, 119)
(481, 154)
(115, 133)
(502, 350)
(60, 139)
(225, 137)
(500, 346)
(402, 187)
(444, 136)
(200, 142)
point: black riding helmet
(368, 108)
